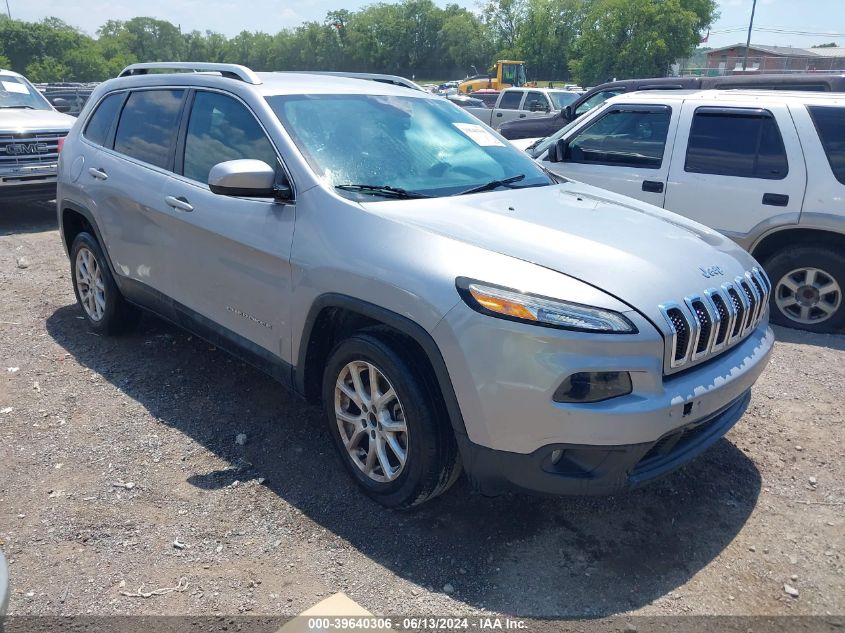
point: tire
(431, 462)
(97, 294)
(808, 288)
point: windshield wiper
(534, 144)
(7, 107)
(384, 190)
(493, 184)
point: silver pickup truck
(31, 137)
(521, 103)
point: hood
(639, 253)
(21, 120)
(523, 143)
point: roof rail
(232, 71)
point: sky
(824, 20)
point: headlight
(545, 311)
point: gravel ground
(119, 468)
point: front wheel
(388, 421)
(808, 286)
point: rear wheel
(388, 421)
(808, 286)
(104, 308)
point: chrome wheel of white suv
(808, 295)
(89, 281)
(371, 421)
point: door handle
(654, 186)
(180, 204)
(521, 116)
(498, 114)
(99, 174)
(775, 199)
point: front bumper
(28, 183)
(596, 470)
(505, 375)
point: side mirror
(248, 178)
(62, 105)
(558, 151)
(568, 113)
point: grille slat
(704, 326)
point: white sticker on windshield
(479, 135)
(14, 86)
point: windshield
(562, 99)
(16, 92)
(426, 146)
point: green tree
(637, 38)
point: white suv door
(622, 149)
(734, 168)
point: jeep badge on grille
(712, 271)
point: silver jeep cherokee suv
(453, 305)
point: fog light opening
(584, 387)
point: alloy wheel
(808, 295)
(371, 421)
(90, 284)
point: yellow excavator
(504, 74)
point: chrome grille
(703, 326)
(29, 148)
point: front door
(623, 150)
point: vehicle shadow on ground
(789, 335)
(515, 554)
(27, 217)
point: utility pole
(747, 41)
(8, 10)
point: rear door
(125, 180)
(624, 150)
(508, 108)
(734, 168)
(232, 255)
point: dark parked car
(539, 127)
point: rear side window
(623, 138)
(221, 129)
(148, 125)
(830, 124)
(746, 144)
(99, 125)
(510, 100)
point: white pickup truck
(521, 103)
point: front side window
(595, 100)
(511, 100)
(422, 145)
(623, 137)
(17, 93)
(745, 144)
(535, 101)
(221, 128)
(99, 125)
(148, 125)
(830, 124)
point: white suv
(765, 168)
